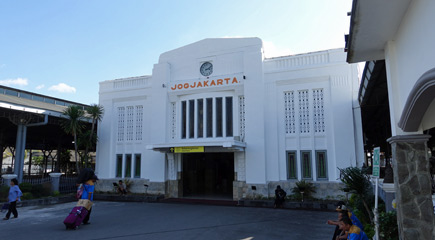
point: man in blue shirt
(353, 232)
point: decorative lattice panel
(289, 110)
(242, 117)
(173, 120)
(130, 112)
(318, 111)
(139, 122)
(304, 113)
(121, 123)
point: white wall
(342, 139)
(409, 55)
(262, 83)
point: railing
(67, 184)
(36, 180)
(278, 63)
(125, 83)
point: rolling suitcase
(75, 218)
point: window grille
(173, 120)
(121, 116)
(139, 122)
(242, 117)
(318, 111)
(289, 107)
(130, 111)
(304, 114)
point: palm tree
(96, 111)
(74, 126)
(357, 181)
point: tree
(83, 143)
(74, 126)
(358, 183)
(96, 111)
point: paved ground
(122, 221)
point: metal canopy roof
(17, 104)
(375, 110)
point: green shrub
(27, 196)
(56, 193)
(39, 190)
(307, 188)
(357, 182)
(25, 187)
(369, 230)
(388, 225)
(4, 192)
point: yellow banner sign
(187, 149)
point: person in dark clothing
(14, 197)
(122, 189)
(279, 197)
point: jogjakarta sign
(205, 83)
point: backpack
(80, 190)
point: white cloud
(62, 88)
(272, 50)
(40, 86)
(16, 81)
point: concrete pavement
(123, 220)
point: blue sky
(65, 48)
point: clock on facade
(206, 69)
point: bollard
(55, 181)
(7, 178)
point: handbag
(80, 190)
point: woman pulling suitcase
(81, 213)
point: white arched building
(218, 119)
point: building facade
(401, 33)
(217, 119)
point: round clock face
(206, 69)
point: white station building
(217, 119)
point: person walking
(14, 196)
(88, 193)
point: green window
(119, 165)
(127, 166)
(322, 166)
(291, 165)
(137, 161)
(306, 165)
